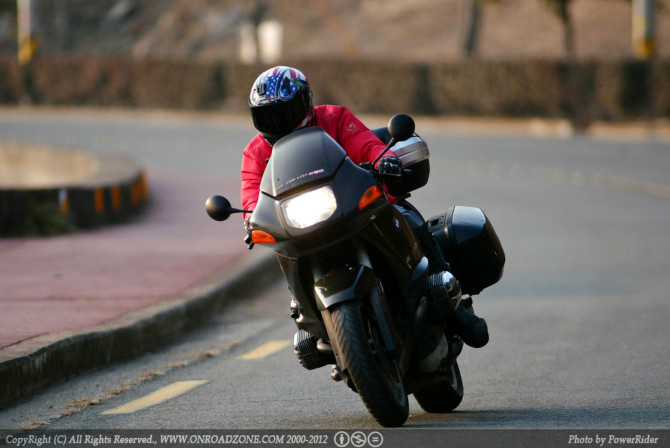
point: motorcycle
(364, 298)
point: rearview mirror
(401, 127)
(218, 208)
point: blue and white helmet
(280, 102)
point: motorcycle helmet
(280, 102)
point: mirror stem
(391, 143)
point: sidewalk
(80, 301)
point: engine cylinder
(305, 349)
(444, 292)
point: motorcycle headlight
(309, 208)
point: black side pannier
(471, 247)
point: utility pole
(644, 49)
(27, 43)
(644, 38)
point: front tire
(375, 375)
(444, 396)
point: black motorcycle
(364, 297)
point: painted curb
(30, 365)
(115, 192)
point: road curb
(30, 365)
(116, 189)
(116, 193)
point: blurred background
(582, 60)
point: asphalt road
(579, 323)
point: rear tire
(444, 396)
(376, 377)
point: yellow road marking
(160, 396)
(265, 350)
(577, 178)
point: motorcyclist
(280, 103)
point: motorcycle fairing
(343, 284)
(314, 155)
(349, 180)
(392, 235)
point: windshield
(302, 157)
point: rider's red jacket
(357, 140)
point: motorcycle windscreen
(302, 157)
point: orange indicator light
(371, 194)
(262, 237)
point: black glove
(247, 239)
(390, 166)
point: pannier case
(471, 246)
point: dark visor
(280, 118)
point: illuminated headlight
(309, 208)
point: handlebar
(371, 168)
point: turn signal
(371, 194)
(262, 237)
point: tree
(473, 26)
(562, 9)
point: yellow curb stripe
(264, 350)
(139, 189)
(135, 193)
(116, 198)
(99, 200)
(158, 397)
(64, 200)
(144, 186)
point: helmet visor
(280, 119)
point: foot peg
(336, 374)
(295, 309)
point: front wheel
(375, 375)
(444, 396)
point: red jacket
(357, 140)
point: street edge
(38, 362)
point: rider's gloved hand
(390, 166)
(247, 239)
